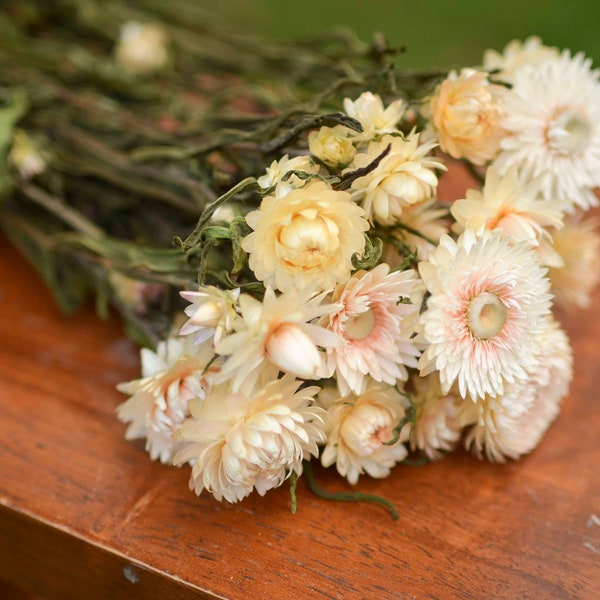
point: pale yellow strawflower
(278, 169)
(332, 146)
(405, 176)
(307, 237)
(466, 116)
(376, 120)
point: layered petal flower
(466, 116)
(171, 376)
(405, 176)
(307, 237)
(512, 424)
(252, 439)
(359, 431)
(552, 121)
(376, 322)
(488, 300)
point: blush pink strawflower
(488, 300)
(375, 321)
(177, 372)
(358, 428)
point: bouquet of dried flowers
(337, 309)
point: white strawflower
(358, 428)
(252, 439)
(466, 113)
(278, 170)
(376, 323)
(142, 47)
(578, 245)
(277, 330)
(512, 424)
(507, 205)
(332, 146)
(404, 177)
(488, 299)
(553, 124)
(211, 313)
(171, 377)
(369, 111)
(308, 237)
(517, 54)
(437, 427)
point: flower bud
(290, 349)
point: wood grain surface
(83, 513)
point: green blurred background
(434, 32)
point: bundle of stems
(129, 166)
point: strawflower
(308, 237)
(488, 300)
(360, 428)
(250, 439)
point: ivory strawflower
(277, 330)
(358, 428)
(513, 423)
(308, 237)
(578, 245)
(278, 170)
(376, 327)
(251, 439)
(553, 128)
(488, 300)
(466, 116)
(404, 177)
(376, 120)
(517, 54)
(173, 375)
(211, 313)
(507, 205)
(142, 47)
(332, 146)
(437, 426)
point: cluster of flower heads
(355, 365)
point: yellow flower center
(486, 315)
(308, 238)
(360, 326)
(569, 131)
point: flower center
(308, 237)
(569, 131)
(486, 315)
(360, 326)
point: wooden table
(84, 514)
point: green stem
(194, 238)
(317, 490)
